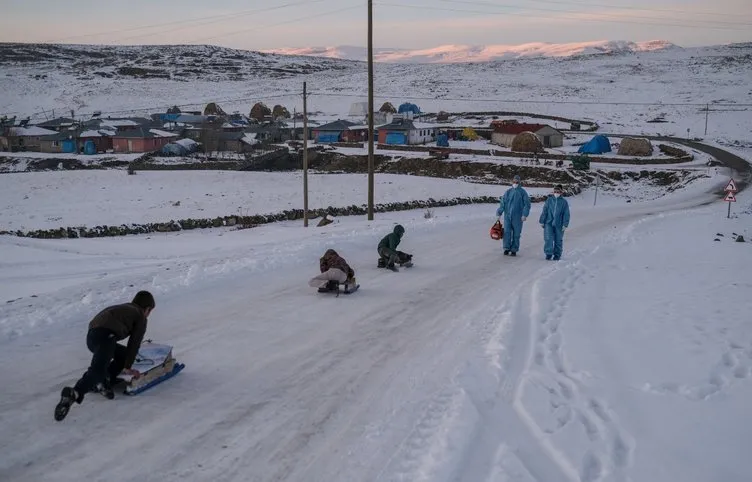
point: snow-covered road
(437, 373)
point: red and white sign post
(730, 197)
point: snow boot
(67, 396)
(105, 390)
(331, 285)
(548, 257)
(557, 258)
(506, 252)
(513, 253)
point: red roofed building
(504, 133)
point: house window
(55, 143)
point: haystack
(259, 111)
(632, 146)
(388, 108)
(280, 112)
(174, 110)
(213, 109)
(527, 142)
(470, 134)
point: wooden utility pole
(305, 156)
(707, 112)
(597, 183)
(370, 110)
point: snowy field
(627, 360)
(43, 200)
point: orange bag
(497, 231)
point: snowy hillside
(481, 53)
(176, 62)
(623, 93)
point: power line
(517, 14)
(408, 97)
(167, 106)
(513, 101)
(244, 13)
(495, 5)
(322, 14)
(182, 22)
(632, 7)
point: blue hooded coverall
(554, 218)
(514, 205)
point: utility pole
(370, 110)
(305, 156)
(597, 182)
(707, 112)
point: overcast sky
(268, 24)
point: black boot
(331, 285)
(106, 390)
(67, 396)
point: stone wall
(245, 221)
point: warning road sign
(731, 186)
(730, 197)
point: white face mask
(557, 194)
(515, 184)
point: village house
(236, 141)
(141, 140)
(27, 138)
(340, 131)
(271, 132)
(406, 132)
(60, 142)
(82, 140)
(60, 124)
(504, 133)
(127, 124)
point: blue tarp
(442, 140)
(394, 138)
(328, 137)
(174, 150)
(169, 117)
(69, 145)
(597, 145)
(90, 148)
(408, 107)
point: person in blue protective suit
(554, 220)
(515, 206)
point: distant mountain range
(480, 53)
